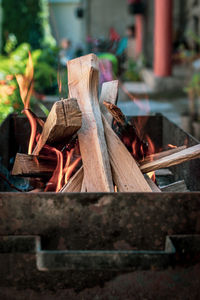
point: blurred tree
(28, 21)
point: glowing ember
(25, 83)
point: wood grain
(30, 165)
(109, 92)
(75, 183)
(83, 74)
(173, 159)
(63, 121)
(126, 173)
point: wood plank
(30, 165)
(126, 173)
(161, 154)
(75, 183)
(109, 92)
(152, 185)
(173, 159)
(127, 131)
(83, 76)
(63, 121)
(178, 186)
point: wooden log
(126, 173)
(75, 183)
(109, 92)
(30, 165)
(173, 159)
(63, 121)
(159, 155)
(152, 185)
(83, 85)
(178, 186)
(127, 132)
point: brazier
(110, 246)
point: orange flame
(151, 150)
(59, 81)
(69, 168)
(56, 179)
(25, 83)
(171, 146)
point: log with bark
(30, 165)
(127, 132)
(63, 121)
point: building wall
(64, 23)
(108, 13)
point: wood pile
(104, 163)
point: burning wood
(30, 165)
(162, 154)
(109, 92)
(75, 183)
(127, 132)
(108, 160)
(63, 121)
(83, 85)
(173, 159)
(126, 173)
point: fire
(59, 81)
(25, 83)
(70, 167)
(171, 146)
(56, 179)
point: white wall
(109, 13)
(63, 21)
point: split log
(63, 121)
(127, 132)
(173, 159)
(159, 155)
(83, 78)
(126, 173)
(109, 92)
(178, 186)
(152, 185)
(75, 183)
(30, 165)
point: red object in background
(138, 34)
(114, 36)
(163, 38)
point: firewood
(109, 93)
(126, 173)
(75, 182)
(173, 159)
(159, 155)
(83, 85)
(152, 185)
(63, 121)
(30, 165)
(178, 186)
(127, 131)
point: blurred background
(152, 47)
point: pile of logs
(106, 164)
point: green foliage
(28, 21)
(132, 72)
(194, 85)
(45, 75)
